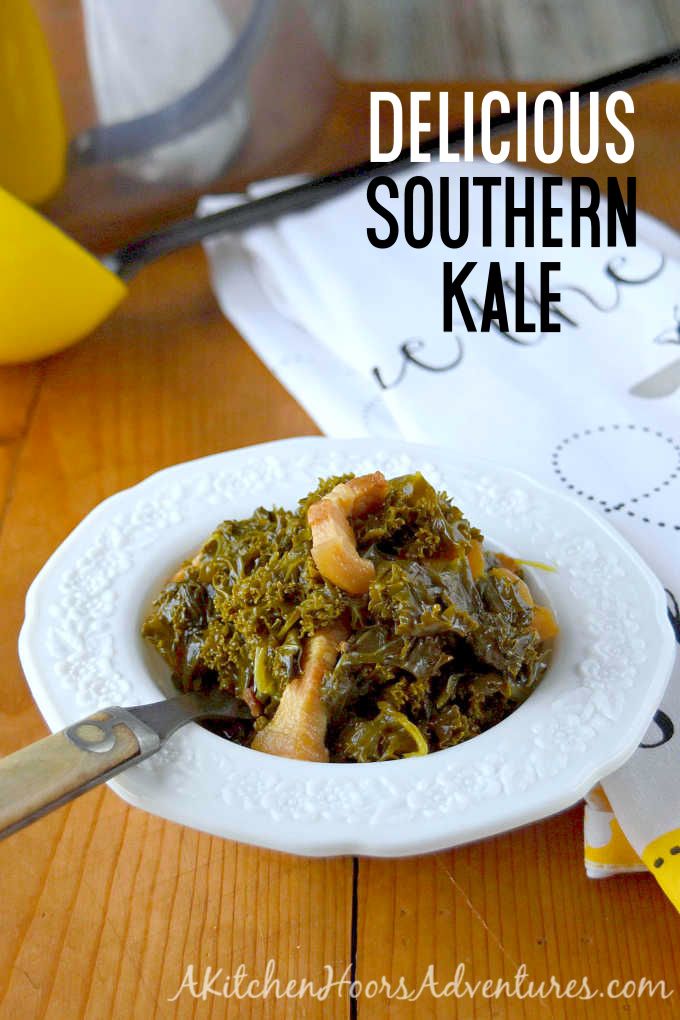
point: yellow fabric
(32, 130)
(608, 851)
(662, 857)
(617, 853)
(52, 291)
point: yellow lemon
(52, 291)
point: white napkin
(330, 315)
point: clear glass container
(165, 100)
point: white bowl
(81, 649)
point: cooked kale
(441, 646)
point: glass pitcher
(166, 99)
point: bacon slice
(298, 727)
(334, 547)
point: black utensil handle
(131, 257)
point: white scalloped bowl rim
(80, 650)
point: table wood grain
(104, 906)
(531, 39)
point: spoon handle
(55, 770)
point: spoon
(53, 292)
(57, 769)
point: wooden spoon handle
(47, 774)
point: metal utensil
(129, 259)
(55, 770)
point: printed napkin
(356, 335)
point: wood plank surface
(669, 12)
(103, 906)
(408, 41)
(398, 40)
(579, 38)
(528, 39)
(519, 899)
(19, 388)
(98, 891)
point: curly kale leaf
(434, 655)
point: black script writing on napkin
(618, 271)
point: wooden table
(104, 906)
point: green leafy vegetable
(434, 654)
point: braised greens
(442, 646)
